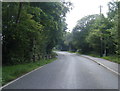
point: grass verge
(112, 58)
(10, 73)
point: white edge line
(109, 69)
(102, 65)
(20, 77)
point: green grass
(10, 73)
(94, 55)
(112, 58)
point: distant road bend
(69, 71)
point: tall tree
(31, 30)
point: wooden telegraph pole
(101, 39)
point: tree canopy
(32, 29)
(96, 33)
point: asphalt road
(70, 71)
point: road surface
(69, 71)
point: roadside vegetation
(112, 58)
(96, 34)
(30, 31)
(14, 71)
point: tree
(31, 30)
(101, 36)
(81, 31)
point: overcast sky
(83, 8)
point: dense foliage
(96, 33)
(31, 30)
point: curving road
(70, 71)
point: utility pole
(100, 9)
(103, 44)
(101, 39)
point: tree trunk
(19, 12)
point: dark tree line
(31, 30)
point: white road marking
(20, 77)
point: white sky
(83, 8)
